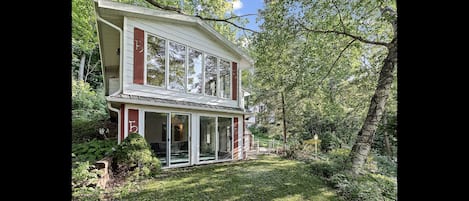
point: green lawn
(267, 178)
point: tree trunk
(387, 146)
(81, 70)
(284, 123)
(362, 146)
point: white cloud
(237, 4)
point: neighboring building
(174, 80)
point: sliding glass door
(207, 146)
(169, 143)
(179, 139)
(156, 134)
(215, 140)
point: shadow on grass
(268, 178)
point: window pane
(194, 71)
(155, 134)
(210, 75)
(179, 139)
(155, 61)
(177, 71)
(225, 79)
(224, 138)
(207, 138)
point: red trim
(139, 44)
(235, 147)
(122, 121)
(234, 74)
(244, 136)
(133, 121)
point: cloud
(237, 5)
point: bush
(84, 181)
(329, 142)
(386, 166)
(93, 150)
(87, 104)
(134, 156)
(366, 187)
(324, 169)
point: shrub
(366, 187)
(329, 142)
(134, 156)
(87, 104)
(93, 150)
(386, 166)
(324, 169)
(84, 180)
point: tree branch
(337, 59)
(178, 10)
(344, 34)
(340, 16)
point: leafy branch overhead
(180, 11)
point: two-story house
(174, 80)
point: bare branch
(359, 38)
(337, 59)
(178, 10)
(239, 16)
(340, 15)
(226, 21)
(158, 5)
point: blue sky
(249, 7)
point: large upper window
(194, 72)
(177, 70)
(225, 79)
(178, 67)
(210, 75)
(156, 61)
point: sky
(243, 7)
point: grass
(267, 178)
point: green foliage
(330, 141)
(87, 104)
(84, 130)
(385, 165)
(84, 181)
(368, 187)
(135, 156)
(378, 182)
(93, 150)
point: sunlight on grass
(268, 178)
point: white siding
(181, 33)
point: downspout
(118, 121)
(120, 75)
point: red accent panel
(133, 121)
(235, 147)
(244, 136)
(122, 121)
(139, 44)
(234, 73)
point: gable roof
(120, 9)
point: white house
(174, 80)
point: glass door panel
(179, 139)
(207, 146)
(156, 135)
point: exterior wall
(181, 33)
(134, 121)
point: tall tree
(335, 34)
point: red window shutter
(234, 73)
(139, 44)
(122, 122)
(235, 147)
(133, 121)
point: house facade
(174, 80)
